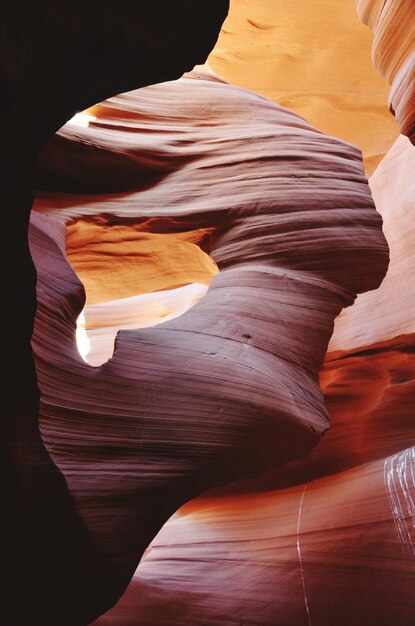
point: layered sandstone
(230, 388)
(387, 314)
(341, 520)
(265, 558)
(199, 195)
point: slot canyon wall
(56, 59)
(259, 464)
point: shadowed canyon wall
(341, 520)
(281, 281)
(56, 59)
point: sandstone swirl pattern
(328, 539)
(231, 387)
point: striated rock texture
(337, 550)
(231, 387)
(163, 178)
(313, 58)
(133, 279)
(328, 539)
(56, 59)
(393, 24)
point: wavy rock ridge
(230, 388)
(342, 520)
(293, 232)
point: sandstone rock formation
(393, 24)
(342, 520)
(134, 279)
(264, 559)
(230, 388)
(199, 195)
(387, 314)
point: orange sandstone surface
(315, 59)
(121, 260)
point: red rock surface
(133, 279)
(120, 260)
(314, 59)
(264, 559)
(230, 388)
(342, 520)
(387, 313)
(160, 180)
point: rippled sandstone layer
(230, 388)
(87, 548)
(340, 520)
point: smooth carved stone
(231, 387)
(99, 324)
(393, 23)
(369, 373)
(339, 550)
(267, 556)
(383, 315)
(133, 279)
(369, 397)
(117, 261)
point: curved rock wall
(58, 57)
(230, 388)
(386, 314)
(314, 554)
(342, 520)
